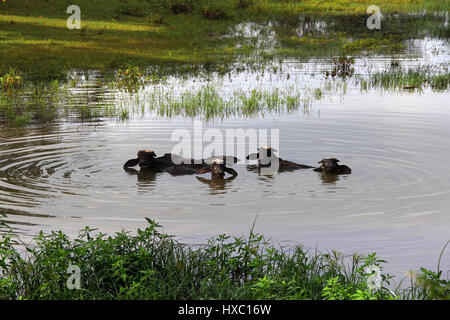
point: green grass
(25, 103)
(412, 79)
(152, 265)
(155, 33)
(45, 102)
(42, 103)
(208, 103)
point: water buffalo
(172, 163)
(331, 166)
(266, 158)
(144, 159)
(217, 169)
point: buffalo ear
(321, 161)
(203, 170)
(231, 171)
(253, 156)
(131, 163)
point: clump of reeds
(207, 102)
(41, 103)
(411, 79)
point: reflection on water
(329, 178)
(395, 202)
(145, 177)
(217, 186)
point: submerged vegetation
(133, 92)
(152, 265)
(415, 78)
(131, 79)
(41, 103)
(208, 103)
(22, 104)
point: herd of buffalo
(267, 160)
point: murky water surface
(395, 203)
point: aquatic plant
(342, 67)
(440, 81)
(11, 80)
(318, 93)
(46, 102)
(208, 103)
(41, 103)
(412, 79)
(130, 78)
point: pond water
(395, 203)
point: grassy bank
(152, 265)
(196, 34)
